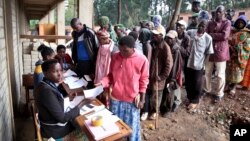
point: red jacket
(220, 33)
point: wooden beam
(45, 37)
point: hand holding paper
(92, 93)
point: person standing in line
(201, 47)
(128, 76)
(85, 47)
(239, 44)
(103, 60)
(172, 91)
(219, 30)
(161, 58)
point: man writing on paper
(129, 72)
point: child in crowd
(47, 54)
(63, 58)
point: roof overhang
(37, 9)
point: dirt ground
(210, 122)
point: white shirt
(201, 47)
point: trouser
(194, 85)
(169, 99)
(152, 100)
(85, 68)
(220, 78)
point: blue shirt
(82, 52)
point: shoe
(153, 116)
(217, 99)
(144, 116)
(175, 107)
(192, 106)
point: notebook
(100, 132)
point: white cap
(183, 23)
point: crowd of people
(144, 69)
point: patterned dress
(239, 52)
(130, 115)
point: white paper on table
(70, 79)
(71, 104)
(92, 93)
(85, 109)
(105, 113)
(68, 73)
(87, 77)
(77, 84)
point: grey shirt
(201, 47)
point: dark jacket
(176, 72)
(50, 105)
(185, 48)
(91, 43)
(220, 33)
(162, 53)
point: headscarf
(157, 20)
(145, 35)
(242, 18)
(203, 15)
(103, 20)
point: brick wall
(6, 130)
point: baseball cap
(172, 34)
(183, 23)
(159, 30)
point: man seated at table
(54, 122)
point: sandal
(232, 93)
(192, 106)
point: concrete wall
(14, 50)
(6, 109)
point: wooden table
(125, 130)
(79, 91)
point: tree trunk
(176, 14)
(119, 11)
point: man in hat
(183, 40)
(161, 64)
(174, 81)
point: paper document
(87, 77)
(105, 113)
(92, 93)
(68, 105)
(70, 79)
(86, 108)
(68, 73)
(77, 84)
(100, 132)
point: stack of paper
(69, 73)
(100, 132)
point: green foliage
(33, 23)
(70, 11)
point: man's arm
(224, 35)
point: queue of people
(146, 66)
